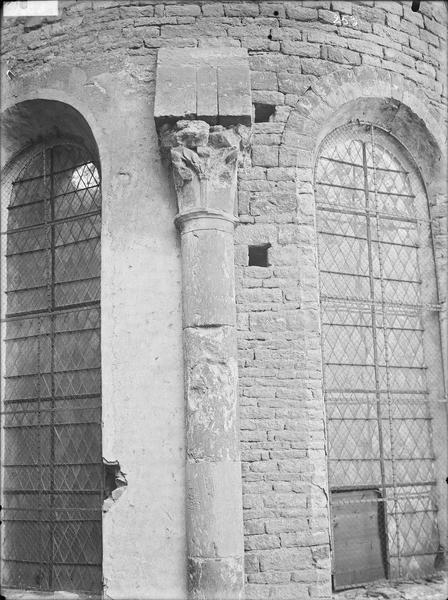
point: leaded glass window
(51, 385)
(381, 353)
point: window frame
(438, 408)
(13, 169)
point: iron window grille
(383, 383)
(52, 484)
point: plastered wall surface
(142, 359)
(308, 60)
(142, 367)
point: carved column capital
(204, 162)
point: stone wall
(308, 60)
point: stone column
(204, 164)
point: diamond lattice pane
(53, 476)
(375, 348)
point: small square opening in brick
(263, 112)
(258, 255)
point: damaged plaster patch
(115, 483)
(95, 83)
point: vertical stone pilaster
(204, 163)
(208, 86)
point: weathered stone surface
(215, 579)
(204, 161)
(285, 559)
(210, 499)
(209, 291)
(182, 98)
(207, 92)
(200, 72)
(190, 134)
(211, 393)
(234, 99)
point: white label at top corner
(30, 8)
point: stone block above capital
(207, 84)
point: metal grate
(52, 465)
(381, 345)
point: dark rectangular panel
(359, 537)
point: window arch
(382, 363)
(52, 484)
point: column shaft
(204, 163)
(214, 499)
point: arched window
(52, 465)
(382, 358)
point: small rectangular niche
(264, 112)
(258, 255)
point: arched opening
(392, 115)
(382, 360)
(32, 121)
(52, 475)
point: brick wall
(304, 39)
(292, 46)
